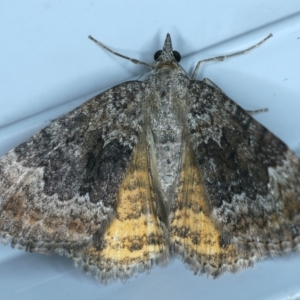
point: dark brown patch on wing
(136, 238)
(60, 186)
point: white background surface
(48, 66)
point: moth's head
(167, 56)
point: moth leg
(214, 85)
(250, 112)
(135, 61)
(223, 57)
(142, 75)
(257, 111)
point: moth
(147, 170)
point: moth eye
(177, 56)
(157, 54)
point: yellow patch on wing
(194, 235)
(135, 238)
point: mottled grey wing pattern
(59, 188)
(251, 178)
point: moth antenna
(133, 60)
(223, 57)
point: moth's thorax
(167, 126)
(167, 65)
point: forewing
(61, 186)
(249, 182)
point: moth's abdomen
(167, 134)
